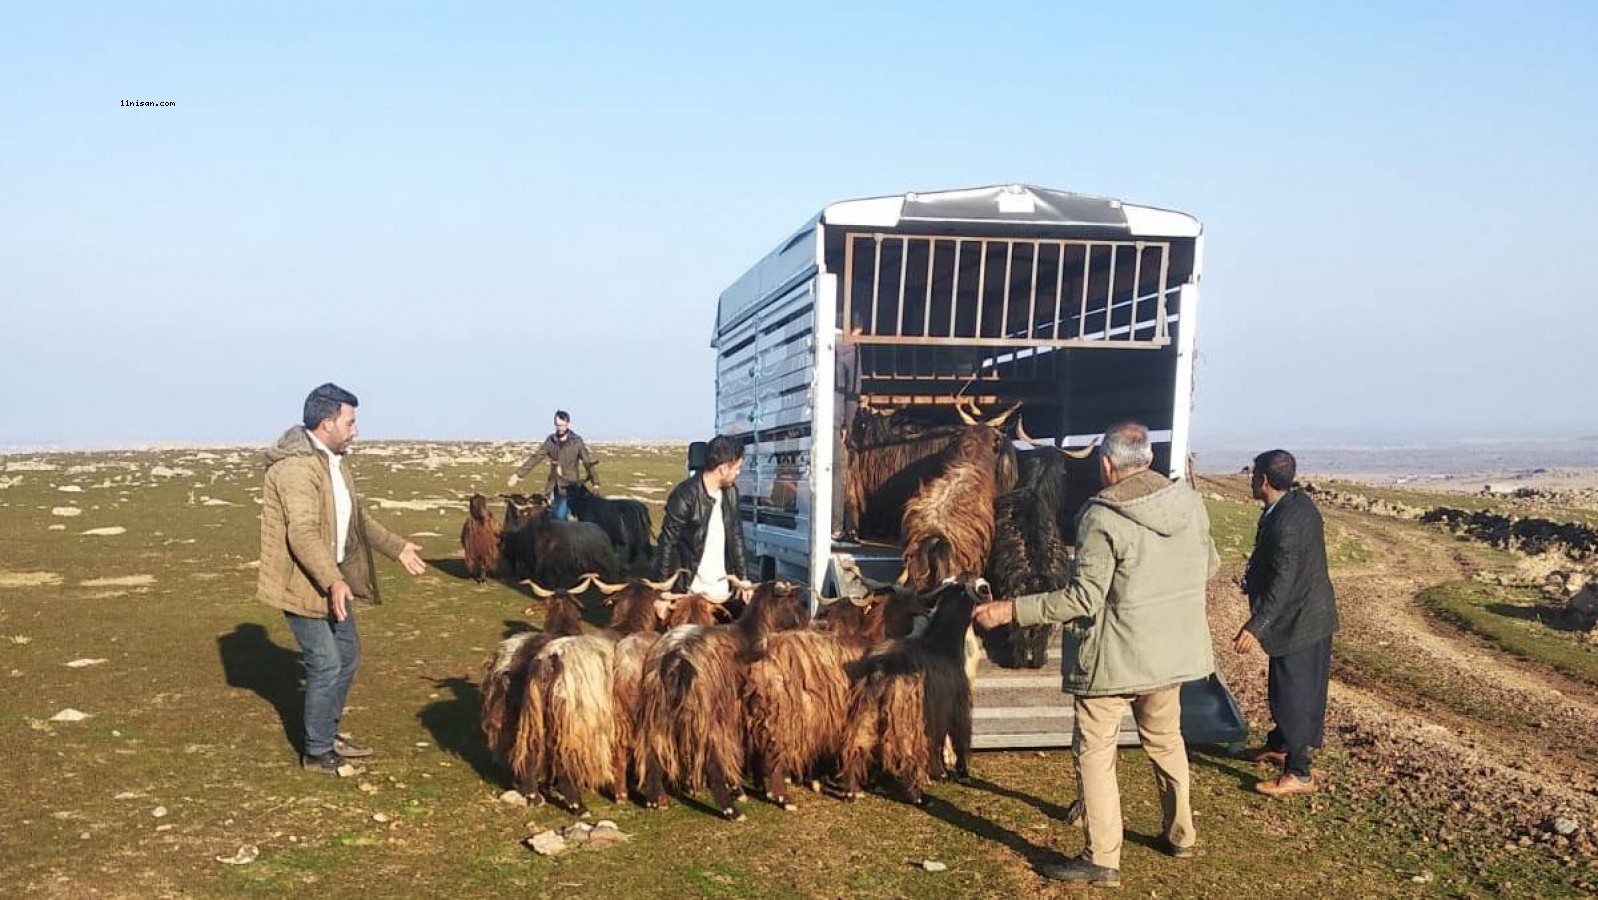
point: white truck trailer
(1082, 309)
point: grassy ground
(196, 703)
(1518, 620)
(1472, 502)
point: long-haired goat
(690, 722)
(796, 692)
(480, 540)
(512, 706)
(1030, 554)
(911, 696)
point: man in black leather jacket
(1292, 615)
(703, 512)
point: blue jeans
(329, 651)
(558, 507)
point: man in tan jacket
(1135, 629)
(316, 558)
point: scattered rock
(69, 715)
(513, 798)
(84, 663)
(108, 531)
(70, 489)
(606, 835)
(546, 843)
(932, 865)
(1565, 826)
(66, 512)
(246, 854)
(57, 527)
(379, 818)
(1425, 877)
(120, 581)
(128, 795)
(159, 812)
(28, 579)
(366, 787)
(348, 771)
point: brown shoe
(1286, 785)
(1264, 755)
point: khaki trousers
(1159, 720)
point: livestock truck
(1081, 309)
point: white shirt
(342, 506)
(710, 579)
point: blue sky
(472, 215)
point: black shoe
(327, 763)
(1165, 846)
(1080, 871)
(346, 747)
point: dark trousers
(1297, 687)
(330, 652)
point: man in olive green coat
(1135, 630)
(316, 558)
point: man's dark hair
(1278, 468)
(722, 449)
(563, 415)
(324, 403)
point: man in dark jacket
(1292, 616)
(565, 451)
(701, 531)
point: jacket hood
(1153, 501)
(294, 442)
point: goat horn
(1020, 432)
(904, 576)
(605, 587)
(1084, 453)
(667, 582)
(965, 416)
(826, 601)
(539, 591)
(998, 420)
(740, 584)
(862, 602)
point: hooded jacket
(1134, 610)
(298, 526)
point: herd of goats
(682, 692)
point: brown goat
(480, 540)
(690, 722)
(948, 524)
(912, 695)
(512, 705)
(580, 720)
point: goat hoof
(790, 807)
(731, 814)
(815, 785)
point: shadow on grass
(453, 566)
(989, 830)
(1556, 619)
(250, 659)
(456, 726)
(1223, 762)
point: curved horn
(965, 416)
(604, 587)
(539, 591)
(666, 583)
(740, 584)
(1020, 432)
(862, 602)
(998, 420)
(826, 601)
(1084, 453)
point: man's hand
(1245, 642)
(411, 559)
(341, 595)
(513, 480)
(991, 615)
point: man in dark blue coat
(1292, 616)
